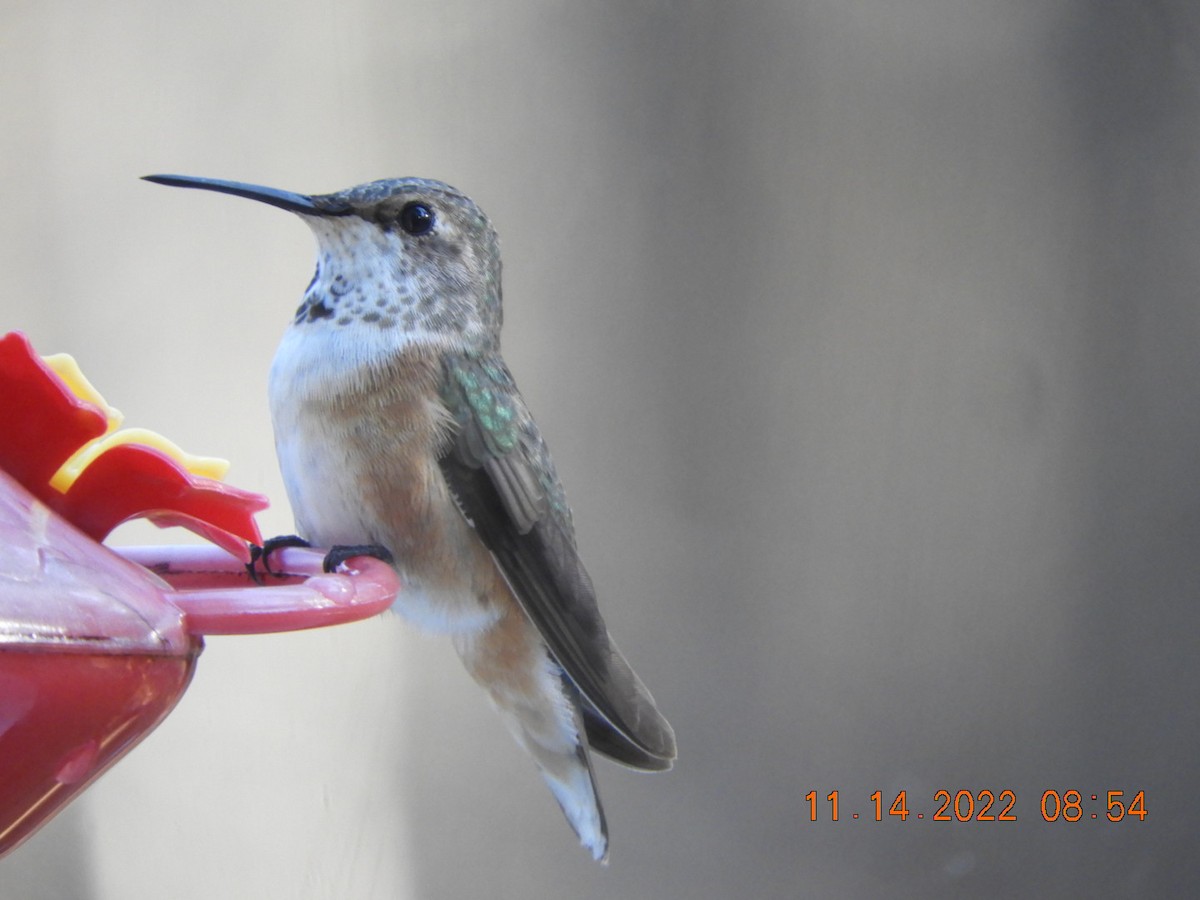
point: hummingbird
(398, 425)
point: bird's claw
(339, 553)
(263, 554)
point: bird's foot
(263, 554)
(339, 553)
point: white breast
(325, 486)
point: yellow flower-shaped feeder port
(61, 441)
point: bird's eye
(417, 218)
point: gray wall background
(865, 334)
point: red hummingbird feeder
(97, 645)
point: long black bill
(297, 203)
